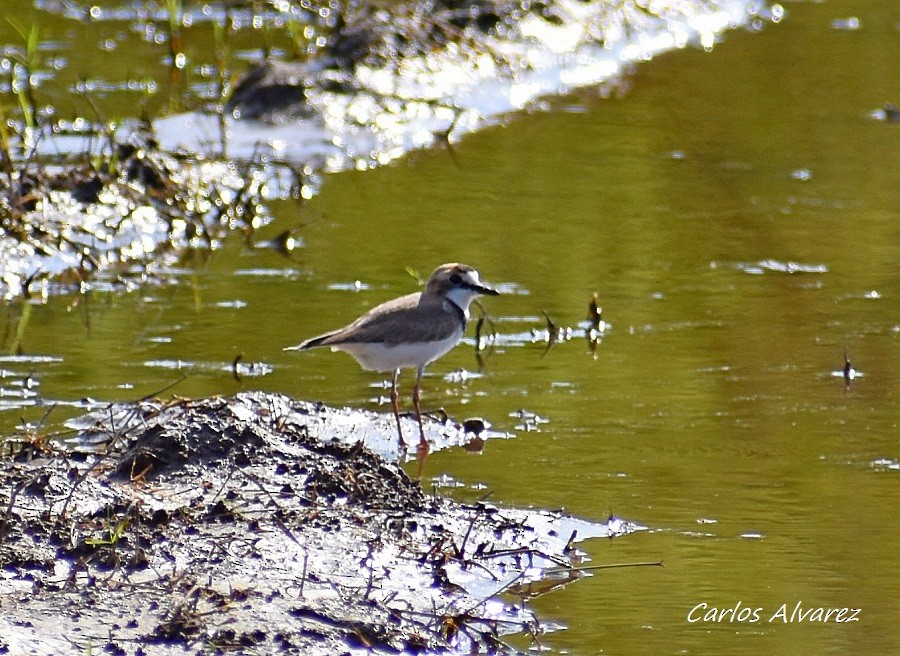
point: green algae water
(737, 214)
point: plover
(410, 331)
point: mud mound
(231, 524)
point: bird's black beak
(483, 289)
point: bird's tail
(310, 343)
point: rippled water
(737, 214)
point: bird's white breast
(377, 356)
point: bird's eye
(455, 279)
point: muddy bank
(240, 524)
(117, 219)
(414, 57)
(370, 83)
(88, 203)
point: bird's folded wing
(395, 325)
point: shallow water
(736, 212)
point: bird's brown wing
(404, 319)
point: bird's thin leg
(396, 406)
(423, 443)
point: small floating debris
(462, 376)
(20, 393)
(477, 431)
(803, 175)
(285, 242)
(890, 113)
(595, 312)
(475, 425)
(231, 305)
(355, 286)
(235, 367)
(483, 341)
(887, 464)
(551, 334)
(29, 359)
(447, 482)
(596, 325)
(848, 373)
(870, 295)
(512, 289)
(287, 274)
(776, 266)
(528, 421)
(849, 24)
(720, 368)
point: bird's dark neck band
(460, 313)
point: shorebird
(410, 331)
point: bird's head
(459, 283)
